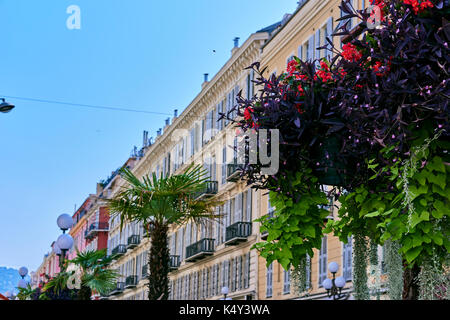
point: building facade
(207, 257)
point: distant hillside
(8, 279)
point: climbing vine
(296, 227)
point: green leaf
(437, 164)
(438, 179)
(413, 254)
(372, 214)
(310, 231)
(437, 238)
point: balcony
(133, 241)
(118, 251)
(144, 271)
(238, 232)
(131, 282)
(233, 173)
(200, 250)
(209, 190)
(95, 228)
(118, 289)
(174, 263)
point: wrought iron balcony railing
(95, 228)
(238, 232)
(233, 172)
(210, 190)
(118, 289)
(133, 241)
(118, 251)
(131, 282)
(200, 250)
(174, 262)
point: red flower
(323, 72)
(350, 52)
(299, 109)
(419, 6)
(248, 113)
(292, 67)
(300, 90)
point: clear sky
(137, 54)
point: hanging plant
(300, 277)
(360, 268)
(434, 280)
(394, 268)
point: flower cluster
(350, 53)
(324, 72)
(419, 6)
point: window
(269, 279)
(347, 260)
(323, 261)
(287, 281)
(224, 165)
(250, 87)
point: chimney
(145, 139)
(158, 133)
(236, 45)
(99, 189)
(167, 122)
(175, 113)
(236, 42)
(205, 82)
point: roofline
(284, 24)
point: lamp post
(23, 271)
(5, 107)
(334, 286)
(65, 241)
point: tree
(93, 273)
(160, 203)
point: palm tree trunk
(158, 263)
(410, 285)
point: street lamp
(65, 241)
(334, 286)
(64, 222)
(23, 271)
(5, 107)
(225, 291)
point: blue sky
(137, 54)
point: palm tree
(160, 203)
(94, 277)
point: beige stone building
(206, 258)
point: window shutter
(248, 215)
(182, 249)
(188, 234)
(329, 54)
(224, 165)
(317, 45)
(300, 52)
(310, 54)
